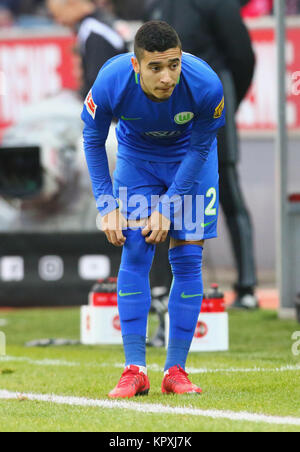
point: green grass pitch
(259, 344)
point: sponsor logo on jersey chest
(164, 134)
(184, 117)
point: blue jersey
(182, 128)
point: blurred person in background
(215, 32)
(6, 17)
(8, 10)
(97, 40)
(25, 13)
(129, 9)
(10, 5)
(31, 7)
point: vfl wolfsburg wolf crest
(184, 117)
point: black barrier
(60, 269)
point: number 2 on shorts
(210, 209)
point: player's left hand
(159, 225)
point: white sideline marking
(37, 362)
(151, 408)
(152, 367)
(296, 367)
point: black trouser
(231, 198)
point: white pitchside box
(100, 323)
(212, 330)
(211, 333)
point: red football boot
(176, 382)
(132, 383)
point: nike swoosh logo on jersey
(130, 119)
(128, 294)
(183, 295)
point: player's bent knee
(136, 251)
(186, 262)
(134, 296)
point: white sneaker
(247, 301)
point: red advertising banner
(33, 68)
(258, 111)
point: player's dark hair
(155, 36)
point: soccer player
(170, 106)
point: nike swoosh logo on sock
(128, 294)
(183, 295)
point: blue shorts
(138, 184)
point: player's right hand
(112, 225)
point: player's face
(159, 73)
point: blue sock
(135, 350)
(185, 301)
(134, 295)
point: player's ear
(135, 65)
